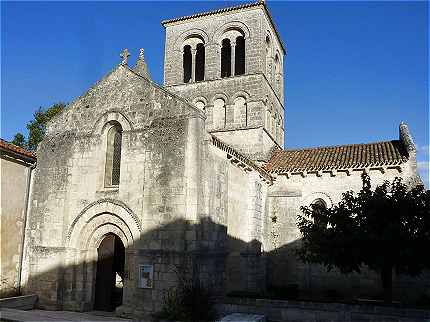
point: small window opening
(187, 63)
(200, 105)
(200, 62)
(319, 206)
(240, 111)
(268, 54)
(239, 64)
(226, 58)
(219, 111)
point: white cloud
(423, 149)
(423, 165)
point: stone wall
(260, 86)
(153, 210)
(282, 237)
(258, 135)
(233, 199)
(15, 176)
(181, 205)
(211, 29)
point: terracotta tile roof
(9, 147)
(228, 9)
(232, 153)
(340, 157)
(213, 12)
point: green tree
(19, 140)
(385, 229)
(37, 126)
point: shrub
(189, 301)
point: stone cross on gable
(124, 55)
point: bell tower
(229, 63)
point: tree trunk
(387, 283)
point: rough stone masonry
(182, 181)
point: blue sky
(354, 70)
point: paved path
(12, 315)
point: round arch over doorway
(102, 228)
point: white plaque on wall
(146, 276)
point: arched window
(200, 105)
(200, 62)
(113, 155)
(268, 120)
(281, 132)
(240, 112)
(239, 57)
(273, 122)
(277, 72)
(219, 113)
(278, 130)
(277, 64)
(268, 58)
(226, 58)
(319, 206)
(187, 63)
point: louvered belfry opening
(239, 63)
(113, 155)
(226, 58)
(200, 62)
(187, 63)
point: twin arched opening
(233, 55)
(193, 59)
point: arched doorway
(109, 273)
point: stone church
(139, 185)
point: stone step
(12, 315)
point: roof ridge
(339, 157)
(336, 146)
(212, 12)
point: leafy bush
(189, 302)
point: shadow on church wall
(202, 252)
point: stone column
(181, 69)
(233, 56)
(193, 64)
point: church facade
(139, 185)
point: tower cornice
(258, 4)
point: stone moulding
(105, 206)
(308, 199)
(112, 115)
(188, 34)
